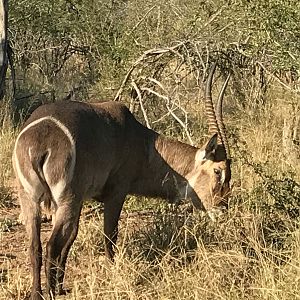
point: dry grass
(197, 260)
(7, 138)
(250, 253)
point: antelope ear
(212, 143)
(211, 146)
(209, 149)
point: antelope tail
(37, 165)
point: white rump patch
(59, 187)
(23, 180)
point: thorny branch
(154, 63)
(146, 54)
(163, 81)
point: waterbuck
(70, 151)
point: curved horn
(209, 106)
(219, 115)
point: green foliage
(58, 41)
(66, 48)
(286, 195)
(276, 30)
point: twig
(140, 21)
(147, 53)
(127, 76)
(12, 68)
(141, 103)
(156, 93)
(276, 77)
(214, 16)
(161, 118)
(156, 82)
(184, 126)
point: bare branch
(141, 103)
(273, 75)
(214, 16)
(168, 102)
(156, 94)
(147, 53)
(141, 20)
(184, 126)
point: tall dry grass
(252, 252)
(228, 260)
(7, 138)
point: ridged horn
(209, 106)
(220, 122)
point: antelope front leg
(112, 210)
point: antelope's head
(210, 178)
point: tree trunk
(3, 45)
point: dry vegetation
(252, 252)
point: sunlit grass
(163, 253)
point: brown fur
(115, 156)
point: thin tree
(3, 45)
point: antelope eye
(218, 172)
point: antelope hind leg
(31, 218)
(63, 235)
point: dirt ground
(14, 259)
(14, 246)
